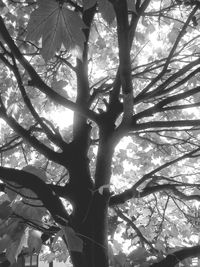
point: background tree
(117, 182)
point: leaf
(37, 171)
(4, 242)
(138, 254)
(15, 248)
(57, 86)
(172, 35)
(88, 4)
(120, 259)
(34, 241)
(74, 242)
(7, 226)
(56, 25)
(101, 188)
(2, 5)
(131, 6)
(107, 11)
(30, 196)
(5, 210)
(10, 193)
(29, 212)
(56, 237)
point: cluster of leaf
(144, 224)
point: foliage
(99, 131)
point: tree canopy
(100, 131)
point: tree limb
(26, 135)
(28, 180)
(172, 259)
(52, 136)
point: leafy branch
(26, 135)
(38, 82)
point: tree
(128, 164)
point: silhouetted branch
(172, 259)
(28, 180)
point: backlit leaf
(34, 241)
(56, 25)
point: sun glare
(63, 118)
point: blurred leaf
(15, 248)
(101, 188)
(138, 255)
(120, 259)
(131, 5)
(57, 86)
(5, 210)
(34, 241)
(8, 226)
(172, 35)
(4, 242)
(10, 193)
(74, 242)
(107, 11)
(2, 5)
(88, 3)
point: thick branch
(121, 11)
(28, 180)
(172, 259)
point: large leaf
(4, 242)
(10, 190)
(29, 195)
(8, 226)
(14, 249)
(56, 25)
(131, 5)
(73, 241)
(34, 241)
(5, 210)
(105, 8)
(88, 3)
(29, 212)
(107, 11)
